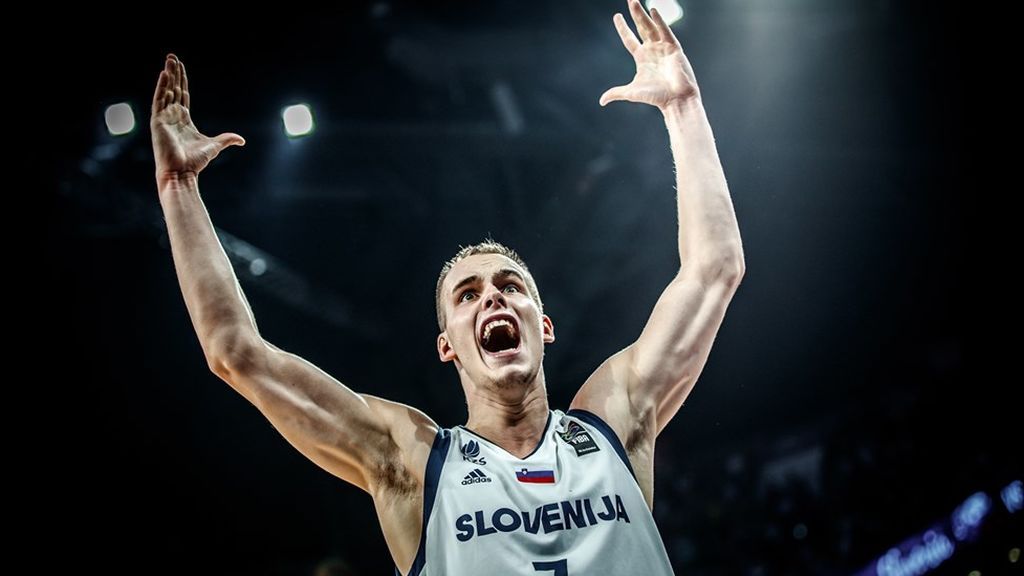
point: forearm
(709, 236)
(212, 294)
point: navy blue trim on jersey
(542, 437)
(438, 453)
(613, 439)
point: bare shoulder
(401, 467)
(606, 395)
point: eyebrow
(500, 274)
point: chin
(510, 379)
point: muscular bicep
(345, 433)
(674, 346)
(640, 388)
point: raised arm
(358, 438)
(639, 389)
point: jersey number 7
(559, 567)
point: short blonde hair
(488, 246)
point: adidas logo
(477, 476)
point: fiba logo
(579, 439)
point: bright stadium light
(258, 266)
(298, 120)
(670, 10)
(120, 119)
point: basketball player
(521, 488)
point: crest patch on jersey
(580, 440)
(471, 453)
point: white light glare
(258, 266)
(670, 10)
(120, 119)
(298, 120)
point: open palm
(663, 73)
(178, 147)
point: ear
(444, 348)
(548, 329)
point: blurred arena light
(120, 119)
(670, 10)
(1012, 496)
(924, 552)
(298, 120)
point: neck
(514, 419)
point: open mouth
(500, 335)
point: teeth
(492, 325)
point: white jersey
(571, 508)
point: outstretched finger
(186, 100)
(613, 94)
(628, 38)
(648, 32)
(229, 139)
(161, 89)
(177, 82)
(215, 145)
(170, 69)
(663, 27)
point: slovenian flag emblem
(536, 476)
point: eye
(462, 297)
(513, 287)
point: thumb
(229, 139)
(613, 94)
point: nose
(494, 298)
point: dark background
(850, 400)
